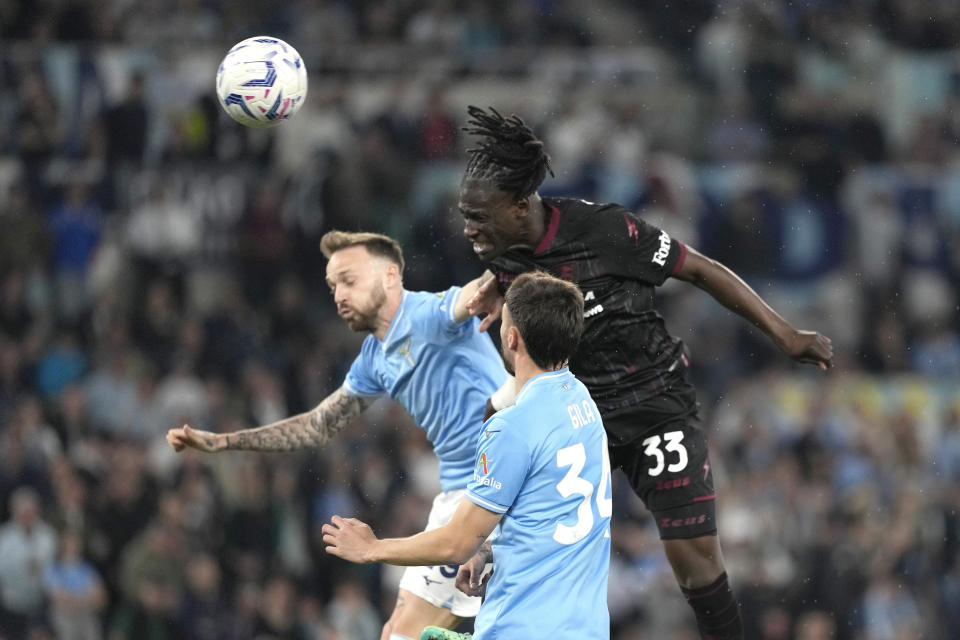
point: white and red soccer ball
(261, 82)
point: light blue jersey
(544, 464)
(441, 372)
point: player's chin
(358, 324)
(481, 246)
(487, 252)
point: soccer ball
(261, 82)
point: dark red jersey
(626, 356)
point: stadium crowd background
(159, 264)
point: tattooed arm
(314, 428)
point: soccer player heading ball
(542, 474)
(424, 351)
(634, 369)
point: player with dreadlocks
(634, 369)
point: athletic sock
(439, 633)
(718, 613)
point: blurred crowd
(159, 265)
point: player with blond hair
(424, 351)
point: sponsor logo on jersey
(660, 257)
(592, 311)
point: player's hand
(205, 441)
(348, 538)
(487, 300)
(809, 347)
(470, 578)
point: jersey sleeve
(502, 464)
(361, 380)
(438, 315)
(633, 248)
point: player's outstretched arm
(486, 300)
(453, 543)
(723, 284)
(468, 294)
(314, 428)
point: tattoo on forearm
(311, 429)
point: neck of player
(387, 312)
(525, 369)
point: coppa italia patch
(485, 463)
(487, 481)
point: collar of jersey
(546, 375)
(394, 322)
(551, 233)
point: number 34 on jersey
(575, 458)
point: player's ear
(391, 275)
(522, 207)
(513, 339)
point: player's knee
(696, 576)
(695, 561)
(402, 626)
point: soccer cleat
(436, 633)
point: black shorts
(663, 451)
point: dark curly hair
(508, 153)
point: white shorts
(437, 584)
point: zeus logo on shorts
(660, 257)
(668, 523)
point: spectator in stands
(76, 593)
(27, 548)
